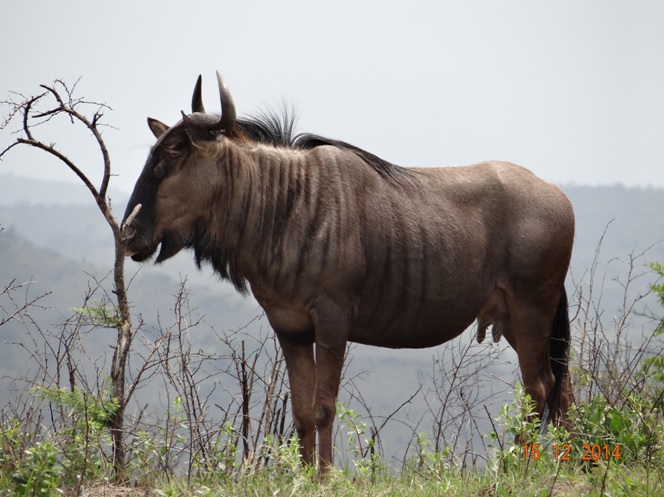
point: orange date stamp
(566, 452)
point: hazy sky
(573, 90)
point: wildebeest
(338, 245)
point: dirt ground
(115, 491)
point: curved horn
(197, 99)
(227, 107)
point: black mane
(270, 128)
(278, 130)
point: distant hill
(632, 218)
(19, 190)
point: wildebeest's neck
(260, 191)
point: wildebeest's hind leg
(301, 376)
(528, 331)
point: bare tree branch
(64, 104)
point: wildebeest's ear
(158, 128)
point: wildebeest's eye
(174, 153)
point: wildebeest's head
(172, 192)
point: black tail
(558, 400)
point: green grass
(602, 479)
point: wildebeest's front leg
(301, 376)
(331, 324)
(329, 363)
